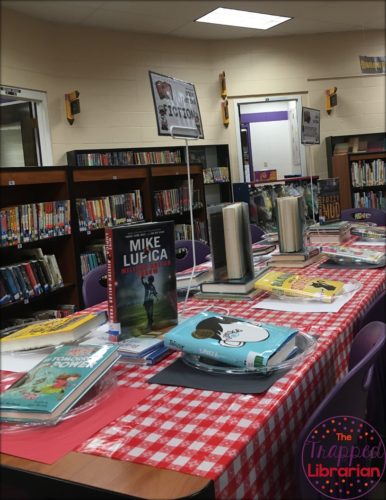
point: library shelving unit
(216, 170)
(23, 189)
(361, 179)
(158, 176)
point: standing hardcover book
(296, 285)
(231, 340)
(141, 278)
(52, 332)
(52, 387)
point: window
(24, 129)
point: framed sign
(310, 126)
(176, 107)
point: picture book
(328, 200)
(151, 358)
(141, 278)
(55, 384)
(52, 332)
(296, 285)
(231, 340)
(139, 346)
(369, 232)
(354, 254)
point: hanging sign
(310, 126)
(176, 107)
(373, 64)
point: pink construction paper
(48, 444)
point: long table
(227, 445)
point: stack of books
(295, 259)
(352, 254)
(143, 350)
(335, 232)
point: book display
(54, 385)
(51, 332)
(286, 284)
(141, 279)
(232, 341)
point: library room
(193, 250)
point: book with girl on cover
(55, 384)
(296, 285)
(141, 278)
(231, 340)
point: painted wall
(110, 70)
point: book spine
(114, 326)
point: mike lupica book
(141, 278)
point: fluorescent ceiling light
(242, 18)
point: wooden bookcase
(29, 185)
(343, 167)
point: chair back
(184, 253)
(256, 233)
(376, 311)
(349, 396)
(94, 288)
(375, 215)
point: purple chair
(349, 396)
(256, 233)
(94, 288)
(184, 253)
(375, 215)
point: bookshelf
(355, 143)
(361, 179)
(34, 212)
(261, 196)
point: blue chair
(375, 215)
(184, 253)
(256, 233)
(94, 288)
(349, 396)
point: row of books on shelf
(215, 174)
(93, 258)
(109, 210)
(175, 201)
(34, 221)
(127, 158)
(23, 281)
(370, 199)
(368, 173)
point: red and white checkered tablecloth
(244, 443)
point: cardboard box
(265, 175)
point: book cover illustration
(57, 382)
(354, 254)
(296, 285)
(329, 200)
(141, 278)
(52, 332)
(231, 340)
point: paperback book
(52, 332)
(231, 340)
(296, 285)
(354, 254)
(328, 200)
(52, 387)
(141, 278)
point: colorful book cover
(296, 285)
(54, 385)
(52, 332)
(231, 340)
(329, 200)
(353, 253)
(141, 278)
